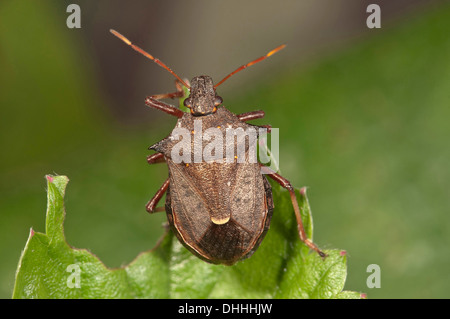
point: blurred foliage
(364, 128)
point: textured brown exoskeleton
(220, 211)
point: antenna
(251, 63)
(148, 55)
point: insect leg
(177, 94)
(153, 101)
(151, 205)
(155, 158)
(169, 109)
(244, 117)
(287, 185)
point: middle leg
(155, 158)
(151, 205)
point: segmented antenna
(251, 63)
(148, 55)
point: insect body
(219, 209)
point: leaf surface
(282, 267)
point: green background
(364, 126)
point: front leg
(177, 94)
(153, 101)
(167, 108)
(245, 117)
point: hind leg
(301, 231)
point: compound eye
(187, 102)
(218, 100)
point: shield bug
(219, 209)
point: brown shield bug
(219, 209)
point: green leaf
(283, 267)
(181, 100)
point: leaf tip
(49, 178)
(343, 253)
(303, 191)
(31, 232)
(363, 296)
